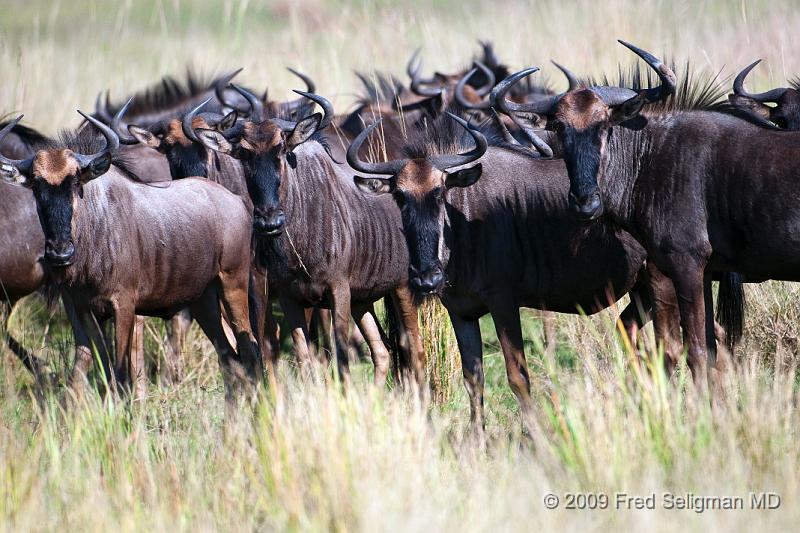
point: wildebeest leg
(714, 370)
(207, 313)
(271, 335)
(637, 313)
(32, 363)
(264, 326)
(340, 304)
(470, 346)
(128, 367)
(550, 333)
(177, 329)
(368, 323)
(414, 357)
(666, 317)
(89, 340)
(505, 314)
(688, 278)
(234, 295)
(296, 318)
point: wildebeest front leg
(412, 337)
(470, 346)
(666, 316)
(129, 365)
(340, 303)
(505, 314)
(296, 318)
(207, 313)
(368, 323)
(89, 340)
(688, 278)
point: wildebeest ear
(303, 131)
(228, 121)
(627, 110)
(464, 177)
(374, 185)
(144, 136)
(214, 140)
(10, 174)
(96, 168)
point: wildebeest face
(583, 121)
(56, 180)
(420, 191)
(264, 149)
(186, 158)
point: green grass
(314, 458)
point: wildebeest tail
(730, 307)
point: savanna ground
(312, 458)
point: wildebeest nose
(270, 225)
(587, 207)
(428, 282)
(59, 254)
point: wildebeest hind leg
(340, 296)
(129, 365)
(505, 314)
(411, 342)
(470, 346)
(206, 312)
(235, 297)
(177, 329)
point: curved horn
(116, 122)
(542, 106)
(219, 89)
(256, 105)
(443, 162)
(310, 86)
(101, 109)
(389, 167)
(413, 68)
(460, 93)
(22, 165)
(507, 137)
(487, 88)
(537, 142)
(188, 118)
(324, 103)
(572, 80)
(112, 141)
(770, 96)
(665, 74)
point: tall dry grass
(312, 458)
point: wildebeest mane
(378, 88)
(167, 93)
(442, 136)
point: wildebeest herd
(484, 188)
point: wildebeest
(21, 240)
(496, 236)
(786, 112)
(322, 242)
(116, 247)
(703, 191)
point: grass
(312, 458)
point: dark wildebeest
(21, 240)
(116, 247)
(703, 191)
(496, 236)
(322, 242)
(784, 115)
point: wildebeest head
(784, 115)
(56, 176)
(264, 146)
(583, 120)
(176, 139)
(419, 187)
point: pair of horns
(442, 162)
(24, 166)
(611, 96)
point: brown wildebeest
(703, 191)
(21, 241)
(784, 115)
(117, 248)
(322, 242)
(496, 236)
